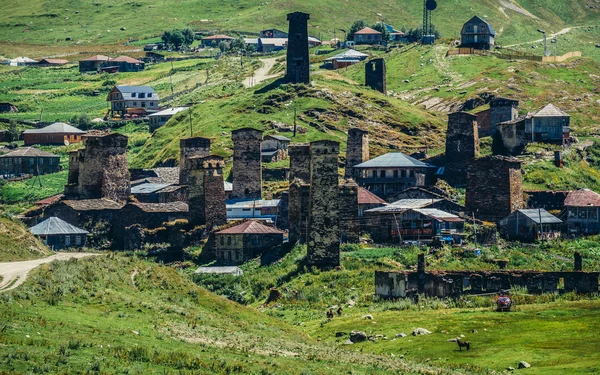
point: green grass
(18, 196)
(16, 243)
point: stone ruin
(196, 146)
(206, 197)
(323, 236)
(375, 75)
(357, 151)
(442, 284)
(100, 169)
(298, 60)
(462, 145)
(349, 220)
(247, 164)
(494, 188)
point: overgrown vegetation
(17, 243)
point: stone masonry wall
(375, 75)
(188, 147)
(298, 62)
(206, 197)
(299, 196)
(323, 236)
(348, 215)
(299, 161)
(502, 110)
(357, 151)
(462, 145)
(247, 164)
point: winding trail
(15, 273)
(262, 74)
(550, 36)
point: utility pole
(171, 78)
(474, 230)
(295, 122)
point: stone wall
(298, 61)
(247, 163)
(323, 236)
(502, 110)
(357, 151)
(299, 161)
(188, 147)
(494, 188)
(462, 145)
(348, 214)
(206, 198)
(513, 136)
(299, 196)
(375, 75)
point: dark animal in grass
(330, 314)
(463, 344)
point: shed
(58, 234)
(530, 224)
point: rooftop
(29, 151)
(127, 59)
(97, 58)
(131, 89)
(227, 270)
(278, 137)
(54, 61)
(162, 207)
(218, 36)
(367, 30)
(250, 203)
(583, 198)
(169, 112)
(366, 197)
(438, 214)
(481, 20)
(57, 127)
(349, 54)
(93, 204)
(250, 227)
(53, 226)
(535, 214)
(148, 188)
(393, 160)
(404, 205)
(550, 110)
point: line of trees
(178, 38)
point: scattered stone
(510, 368)
(358, 336)
(474, 331)
(401, 356)
(123, 28)
(367, 317)
(420, 332)
(401, 334)
(351, 303)
(462, 336)
(348, 342)
(524, 364)
(379, 336)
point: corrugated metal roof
(169, 112)
(546, 217)
(53, 226)
(96, 58)
(148, 188)
(405, 204)
(131, 89)
(278, 137)
(583, 198)
(551, 110)
(127, 59)
(250, 227)
(218, 36)
(350, 54)
(393, 160)
(258, 203)
(57, 127)
(438, 214)
(231, 270)
(29, 151)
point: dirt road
(262, 74)
(15, 273)
(550, 36)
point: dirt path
(550, 36)
(262, 74)
(14, 274)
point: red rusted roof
(366, 197)
(54, 61)
(367, 30)
(583, 198)
(250, 227)
(48, 201)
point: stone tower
(299, 154)
(349, 220)
(102, 170)
(494, 188)
(462, 145)
(72, 186)
(206, 197)
(299, 191)
(323, 236)
(357, 151)
(188, 147)
(375, 75)
(247, 164)
(298, 62)
(502, 110)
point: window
(382, 174)
(143, 104)
(41, 161)
(228, 241)
(78, 240)
(395, 174)
(134, 103)
(374, 174)
(31, 161)
(67, 241)
(149, 94)
(133, 94)
(222, 241)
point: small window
(222, 241)
(254, 240)
(41, 161)
(67, 240)
(78, 240)
(133, 94)
(149, 94)
(395, 174)
(382, 174)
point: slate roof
(168, 175)
(366, 197)
(162, 207)
(438, 214)
(169, 112)
(367, 30)
(29, 151)
(583, 198)
(393, 160)
(57, 127)
(93, 204)
(278, 137)
(550, 110)
(250, 227)
(148, 188)
(404, 205)
(54, 226)
(534, 215)
(54, 61)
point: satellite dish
(431, 5)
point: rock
(453, 340)
(474, 331)
(367, 317)
(379, 336)
(348, 342)
(401, 356)
(510, 368)
(420, 332)
(358, 336)
(340, 334)
(401, 334)
(123, 28)
(524, 364)
(351, 303)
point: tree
(188, 36)
(238, 44)
(385, 33)
(356, 26)
(12, 133)
(166, 37)
(223, 46)
(82, 121)
(250, 48)
(177, 38)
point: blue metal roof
(54, 226)
(148, 188)
(394, 160)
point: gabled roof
(393, 160)
(29, 151)
(57, 127)
(252, 203)
(534, 214)
(404, 205)
(228, 186)
(53, 61)
(225, 270)
(218, 36)
(583, 198)
(439, 215)
(132, 89)
(477, 19)
(169, 112)
(250, 227)
(148, 188)
(93, 204)
(162, 207)
(97, 58)
(367, 30)
(278, 137)
(54, 226)
(349, 54)
(366, 197)
(127, 59)
(550, 110)
(279, 42)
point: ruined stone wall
(502, 110)
(206, 191)
(299, 162)
(357, 151)
(348, 215)
(375, 75)
(323, 236)
(188, 147)
(299, 196)
(462, 145)
(284, 211)
(298, 62)
(247, 163)
(72, 187)
(494, 188)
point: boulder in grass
(358, 336)
(420, 332)
(524, 364)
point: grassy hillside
(121, 315)
(16, 243)
(50, 22)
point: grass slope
(16, 243)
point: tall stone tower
(349, 220)
(462, 145)
(357, 151)
(206, 197)
(494, 187)
(188, 147)
(103, 171)
(502, 110)
(298, 62)
(72, 186)
(299, 154)
(375, 75)
(323, 236)
(299, 191)
(247, 164)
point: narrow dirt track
(15, 273)
(261, 74)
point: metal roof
(228, 186)
(148, 188)
(534, 214)
(169, 112)
(479, 19)
(393, 160)
(29, 151)
(278, 137)
(405, 204)
(250, 227)
(250, 203)
(269, 153)
(57, 127)
(550, 110)
(583, 198)
(53, 226)
(350, 54)
(438, 214)
(231, 270)
(131, 89)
